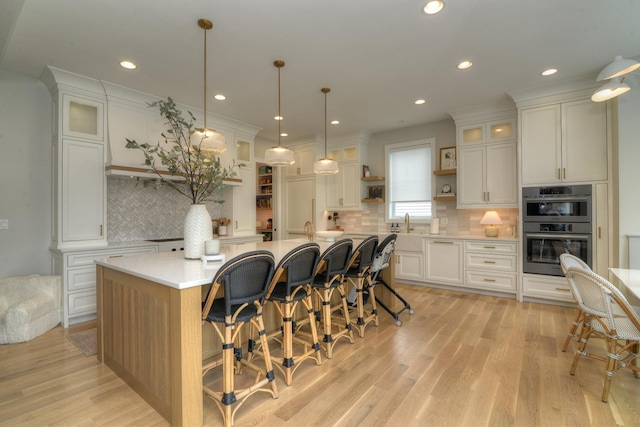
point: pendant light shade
(212, 140)
(610, 90)
(325, 166)
(279, 155)
(619, 67)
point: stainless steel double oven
(556, 220)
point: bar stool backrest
(300, 265)
(569, 260)
(335, 259)
(244, 278)
(363, 254)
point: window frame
(425, 142)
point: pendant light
(211, 140)
(614, 72)
(279, 155)
(325, 166)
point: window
(409, 171)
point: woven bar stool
(245, 280)
(291, 284)
(329, 278)
(359, 275)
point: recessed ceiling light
(335, 122)
(279, 118)
(128, 65)
(549, 72)
(284, 134)
(220, 97)
(419, 101)
(432, 7)
(464, 65)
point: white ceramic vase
(197, 229)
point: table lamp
(491, 218)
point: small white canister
(435, 226)
(212, 247)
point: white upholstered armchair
(29, 307)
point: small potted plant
(194, 172)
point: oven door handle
(556, 199)
(558, 236)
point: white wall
(25, 175)
(628, 167)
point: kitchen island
(150, 328)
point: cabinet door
(443, 260)
(584, 141)
(501, 130)
(298, 201)
(601, 229)
(305, 157)
(83, 190)
(409, 265)
(502, 175)
(244, 216)
(343, 188)
(541, 147)
(471, 134)
(82, 118)
(471, 176)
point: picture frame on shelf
(448, 158)
(375, 192)
(365, 171)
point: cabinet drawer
(82, 302)
(489, 280)
(82, 278)
(547, 287)
(491, 247)
(491, 262)
(87, 257)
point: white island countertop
(630, 283)
(172, 269)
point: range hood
(128, 116)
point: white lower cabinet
(491, 265)
(546, 287)
(78, 273)
(443, 261)
(409, 265)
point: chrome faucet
(408, 222)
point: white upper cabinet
(487, 173)
(305, 156)
(564, 143)
(343, 189)
(82, 117)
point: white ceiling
(377, 56)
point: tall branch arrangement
(182, 155)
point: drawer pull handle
(562, 289)
(489, 262)
(116, 256)
(446, 243)
(489, 247)
(489, 280)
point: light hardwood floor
(460, 360)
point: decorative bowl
(330, 235)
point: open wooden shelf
(445, 172)
(372, 178)
(372, 201)
(444, 198)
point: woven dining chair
(566, 261)
(610, 316)
(244, 280)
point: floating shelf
(445, 172)
(372, 201)
(444, 198)
(372, 178)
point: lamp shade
(325, 167)
(610, 90)
(491, 218)
(213, 141)
(619, 67)
(279, 156)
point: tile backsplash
(465, 222)
(139, 211)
